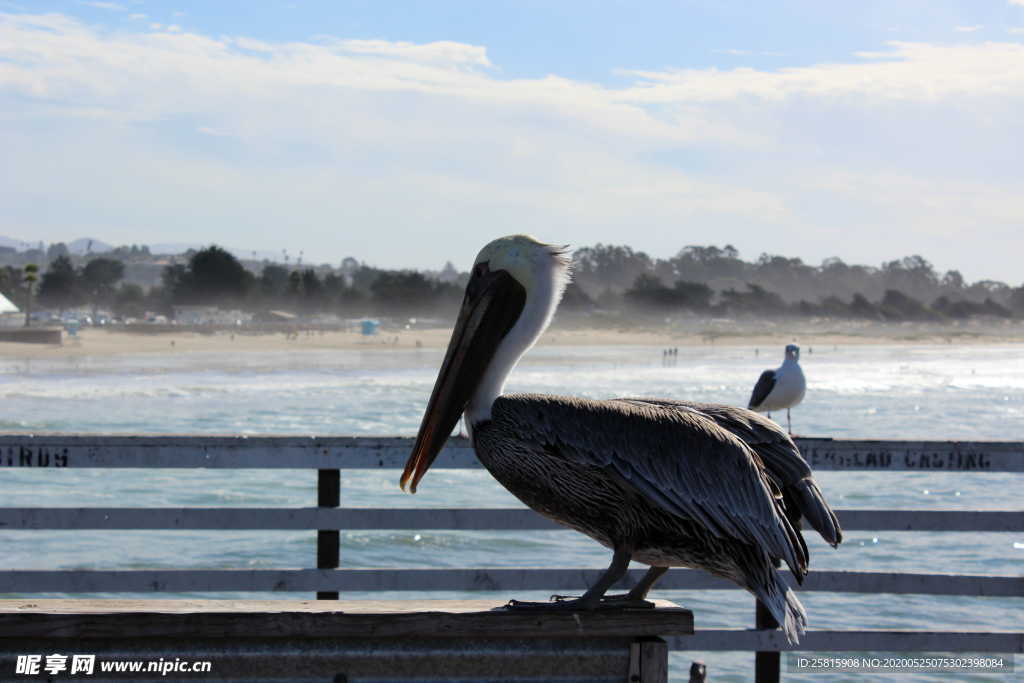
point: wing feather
(764, 386)
(680, 460)
(780, 455)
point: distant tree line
(698, 280)
(213, 276)
(711, 279)
(63, 286)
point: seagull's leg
(593, 597)
(641, 589)
(789, 425)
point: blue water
(905, 392)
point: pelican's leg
(593, 597)
(640, 590)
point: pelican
(783, 387)
(663, 483)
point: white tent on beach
(6, 306)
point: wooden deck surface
(326, 618)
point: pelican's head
(513, 290)
(792, 352)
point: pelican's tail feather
(795, 622)
(782, 602)
(812, 505)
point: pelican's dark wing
(764, 386)
(780, 456)
(679, 460)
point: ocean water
(901, 392)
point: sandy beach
(100, 342)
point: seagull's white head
(513, 290)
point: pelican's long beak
(493, 304)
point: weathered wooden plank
(912, 583)
(343, 452)
(194, 605)
(931, 520)
(218, 452)
(464, 519)
(482, 579)
(1007, 642)
(335, 619)
(886, 455)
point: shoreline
(99, 342)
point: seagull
(783, 387)
(664, 483)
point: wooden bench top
(68, 618)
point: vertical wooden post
(766, 664)
(328, 541)
(648, 661)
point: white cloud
(206, 130)
(345, 144)
(1015, 30)
(907, 71)
(968, 29)
(742, 53)
(437, 52)
(103, 5)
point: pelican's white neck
(541, 301)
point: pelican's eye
(475, 279)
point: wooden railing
(330, 455)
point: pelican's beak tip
(404, 481)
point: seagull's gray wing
(764, 386)
(681, 461)
(780, 455)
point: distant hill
(241, 254)
(89, 245)
(174, 247)
(79, 246)
(82, 246)
(20, 245)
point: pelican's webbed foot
(563, 602)
(557, 602)
(626, 601)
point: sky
(411, 133)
